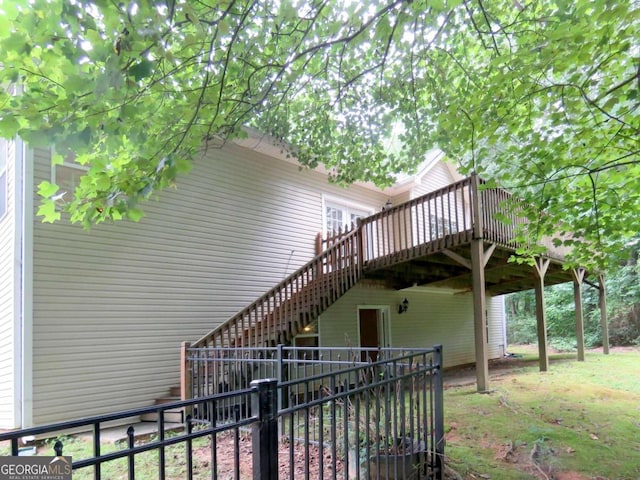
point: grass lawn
(578, 421)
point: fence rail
(353, 419)
(218, 369)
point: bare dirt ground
(528, 459)
(226, 461)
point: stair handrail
(316, 266)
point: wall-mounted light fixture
(387, 205)
(403, 306)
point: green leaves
(135, 214)
(141, 70)
(9, 125)
(542, 98)
(48, 208)
(47, 189)
(48, 211)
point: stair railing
(295, 302)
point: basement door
(373, 325)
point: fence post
(438, 413)
(265, 430)
(281, 378)
(185, 375)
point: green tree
(623, 309)
(540, 96)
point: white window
(67, 176)
(341, 214)
(441, 226)
(3, 178)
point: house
(92, 321)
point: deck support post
(603, 314)
(540, 269)
(479, 300)
(578, 277)
(480, 315)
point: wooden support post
(578, 277)
(541, 265)
(479, 301)
(480, 315)
(185, 372)
(478, 224)
(603, 314)
(318, 244)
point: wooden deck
(426, 241)
(450, 267)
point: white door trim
(384, 323)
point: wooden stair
(283, 312)
(174, 415)
(297, 312)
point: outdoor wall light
(387, 205)
(403, 306)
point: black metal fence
(351, 419)
(213, 370)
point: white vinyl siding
(442, 221)
(8, 291)
(112, 305)
(437, 177)
(431, 319)
(497, 328)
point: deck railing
(437, 220)
(442, 219)
(502, 220)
